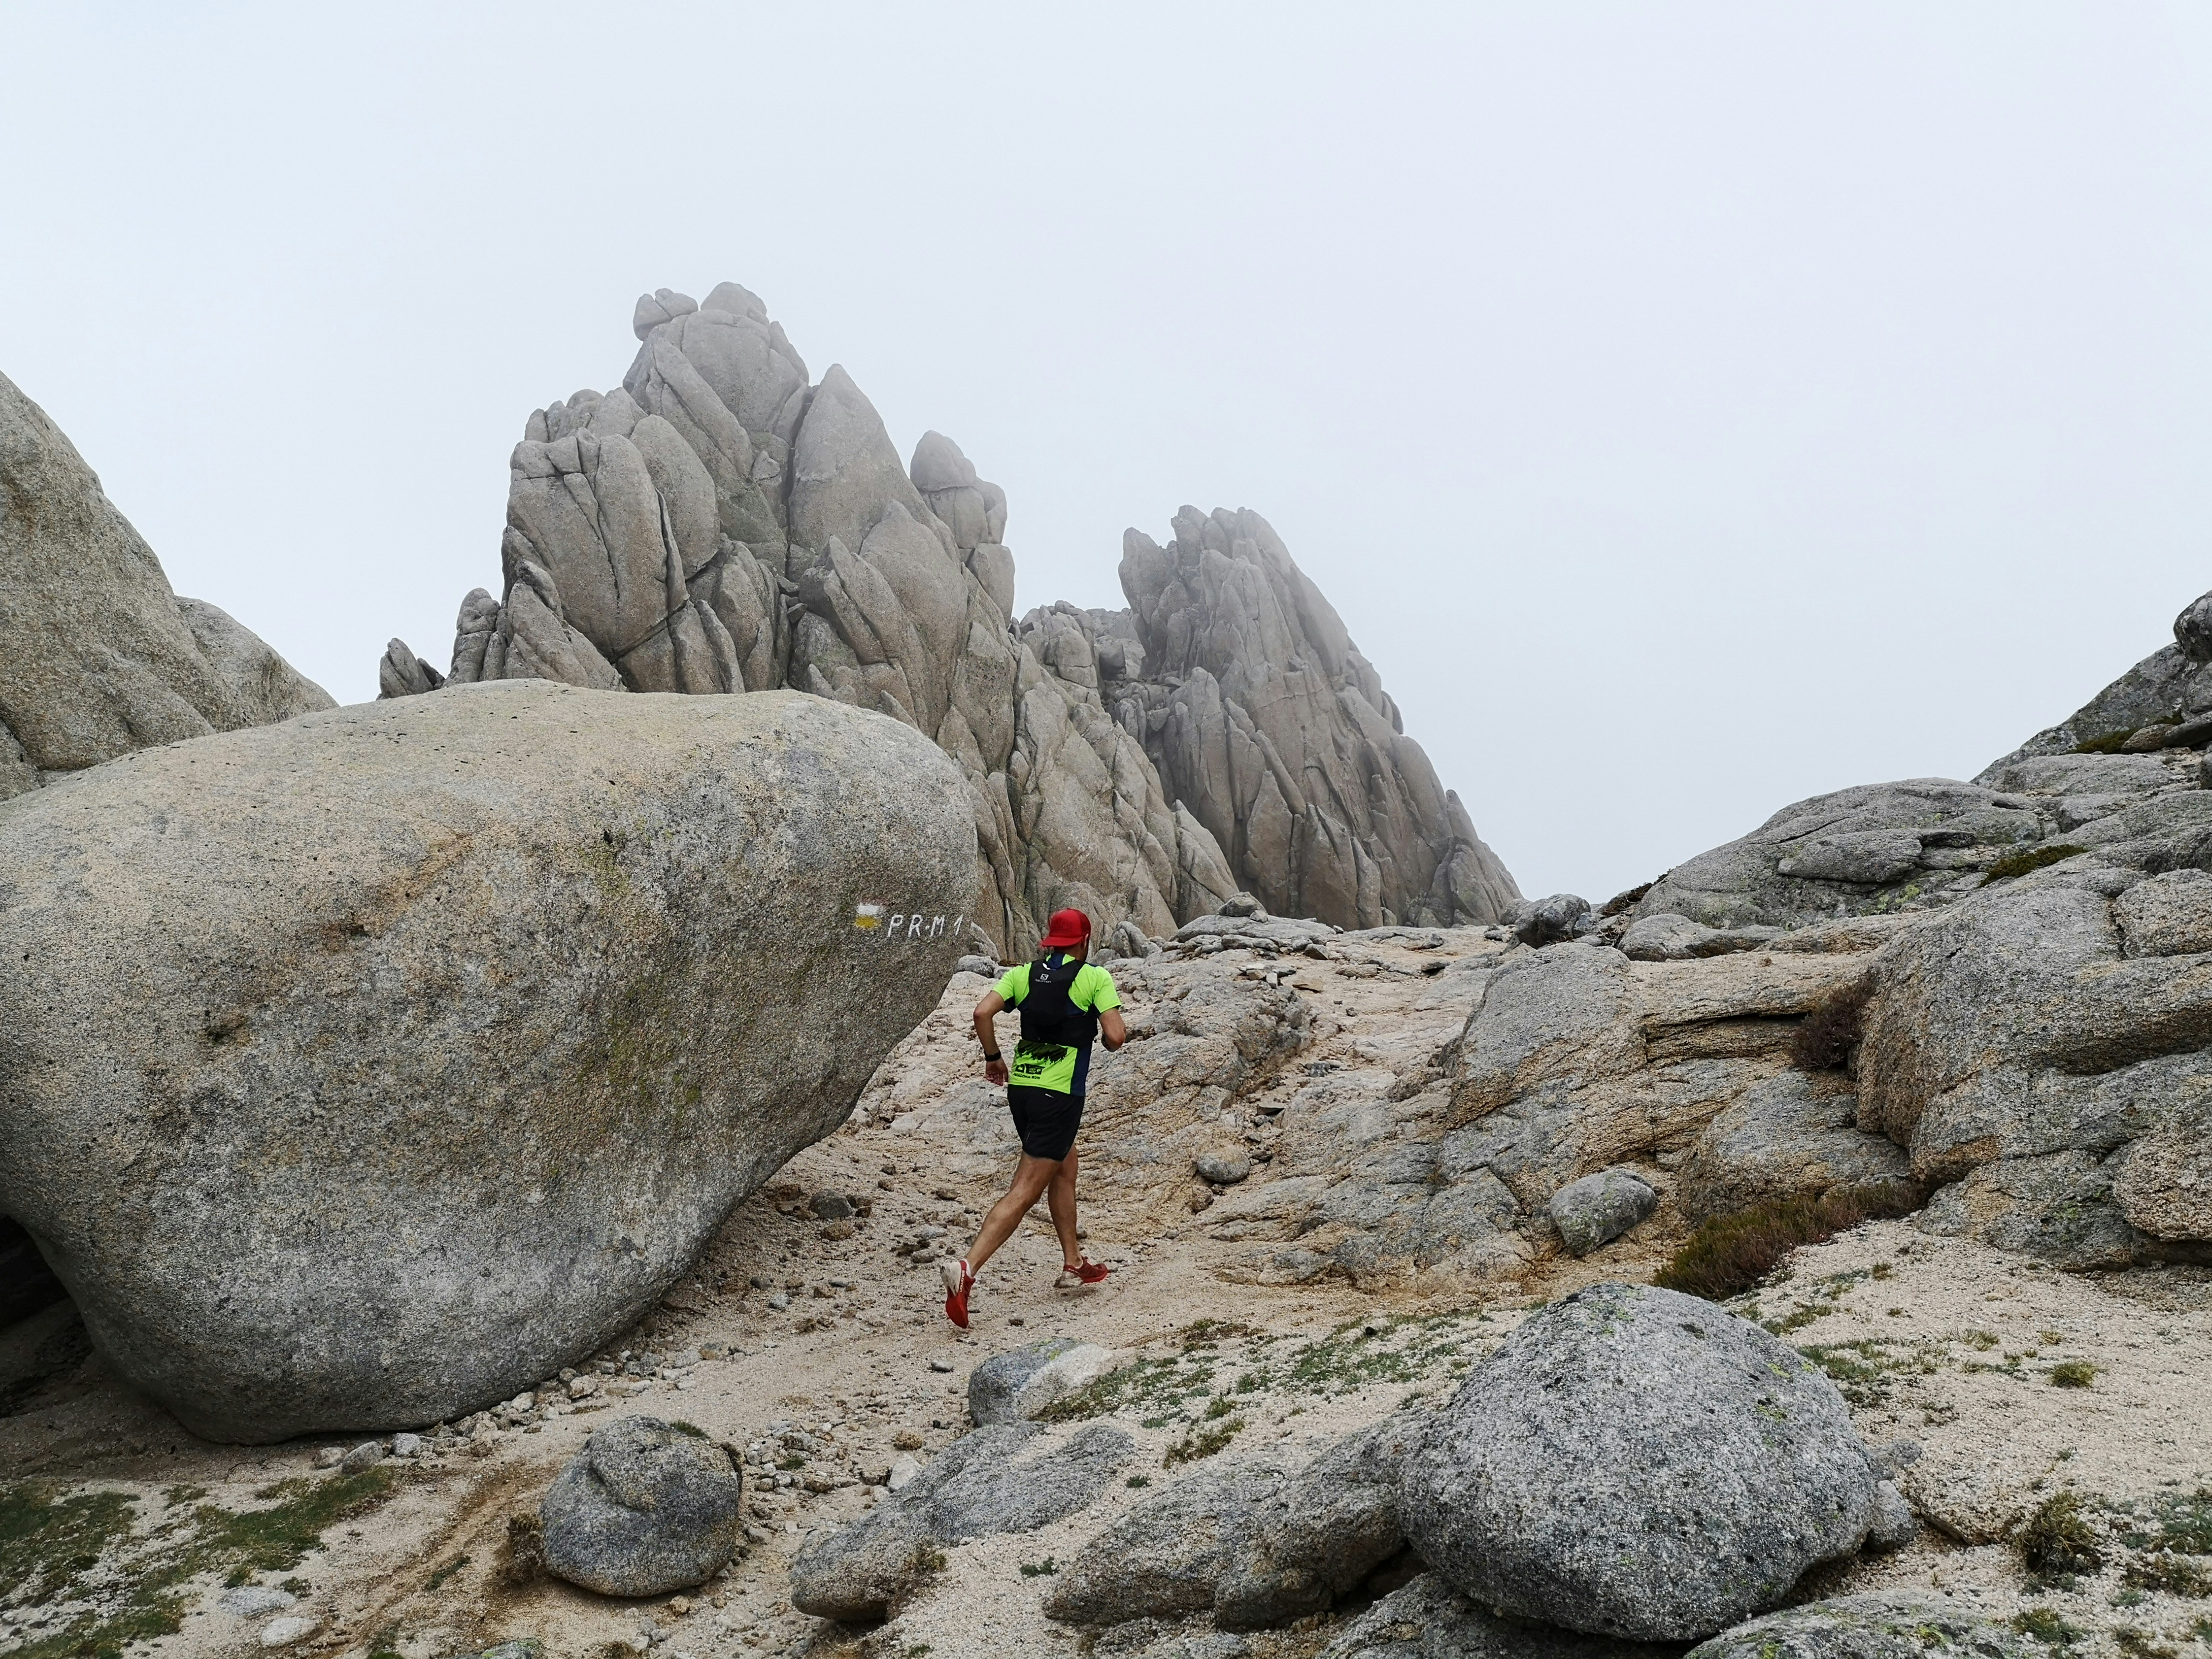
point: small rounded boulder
(644, 1509)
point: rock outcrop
(382, 1062)
(719, 524)
(98, 657)
(1711, 1466)
(2164, 701)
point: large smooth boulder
(363, 1070)
(1882, 1625)
(996, 1479)
(98, 657)
(1708, 1464)
(642, 1509)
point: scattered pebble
(941, 1364)
(365, 1455)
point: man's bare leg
(1060, 1195)
(1032, 1176)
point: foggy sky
(1690, 407)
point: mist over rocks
(721, 523)
(380, 1063)
(98, 657)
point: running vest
(1053, 1027)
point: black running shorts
(1046, 1120)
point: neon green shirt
(1056, 1065)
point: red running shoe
(1086, 1272)
(958, 1281)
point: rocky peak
(719, 524)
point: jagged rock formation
(384, 1062)
(1257, 708)
(100, 657)
(719, 524)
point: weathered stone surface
(1667, 937)
(98, 658)
(1258, 1542)
(642, 1509)
(376, 1064)
(2164, 1186)
(1793, 1136)
(1599, 1209)
(1261, 713)
(1427, 1619)
(993, 1480)
(264, 687)
(1304, 1544)
(1550, 921)
(2020, 1043)
(1711, 1466)
(1877, 847)
(1014, 1386)
(1886, 1625)
(1164, 1557)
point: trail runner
(1064, 1002)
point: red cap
(1066, 929)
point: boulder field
(362, 1070)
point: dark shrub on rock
(1826, 1037)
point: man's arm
(1111, 1030)
(987, 1033)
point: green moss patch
(59, 1546)
(2031, 858)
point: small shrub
(2172, 1575)
(1138, 1481)
(2185, 1524)
(2027, 859)
(2047, 1626)
(2141, 1644)
(1203, 1443)
(1732, 1253)
(691, 1428)
(1826, 1037)
(932, 1559)
(1043, 1569)
(2073, 1374)
(2057, 1540)
(1220, 1407)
